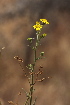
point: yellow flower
(38, 23)
(38, 26)
(44, 21)
(44, 35)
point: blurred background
(16, 20)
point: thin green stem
(32, 70)
(31, 86)
(34, 55)
(32, 78)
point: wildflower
(44, 35)
(44, 21)
(42, 53)
(29, 38)
(38, 26)
(37, 23)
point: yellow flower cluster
(44, 21)
(38, 26)
(44, 35)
